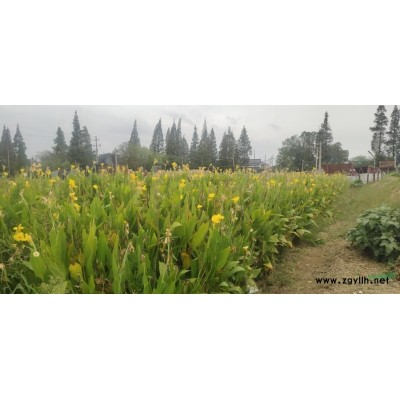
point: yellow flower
(52, 181)
(19, 237)
(217, 218)
(27, 184)
(211, 196)
(18, 228)
(236, 199)
(182, 185)
(72, 196)
(22, 237)
(75, 270)
(77, 207)
(71, 184)
(5, 174)
(199, 206)
(132, 177)
(95, 187)
(174, 165)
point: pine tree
(204, 156)
(170, 143)
(228, 153)
(324, 138)
(7, 154)
(80, 148)
(179, 144)
(157, 142)
(87, 148)
(212, 148)
(75, 143)
(194, 148)
(20, 158)
(60, 145)
(184, 151)
(134, 140)
(244, 148)
(392, 143)
(379, 131)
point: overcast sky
(267, 126)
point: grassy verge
(349, 205)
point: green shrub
(378, 233)
(357, 183)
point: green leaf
(198, 237)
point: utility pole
(97, 150)
(115, 159)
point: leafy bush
(357, 183)
(378, 233)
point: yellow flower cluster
(217, 218)
(19, 236)
(72, 196)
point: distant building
(107, 159)
(255, 163)
(343, 168)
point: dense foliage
(167, 232)
(378, 233)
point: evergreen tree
(379, 131)
(170, 143)
(60, 145)
(80, 148)
(212, 148)
(134, 140)
(157, 142)
(75, 143)
(194, 148)
(204, 157)
(184, 151)
(325, 138)
(392, 143)
(244, 148)
(20, 158)
(228, 151)
(179, 150)
(87, 148)
(7, 151)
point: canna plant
(174, 231)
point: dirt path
(335, 258)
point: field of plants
(175, 231)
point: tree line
(300, 152)
(385, 144)
(203, 150)
(174, 148)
